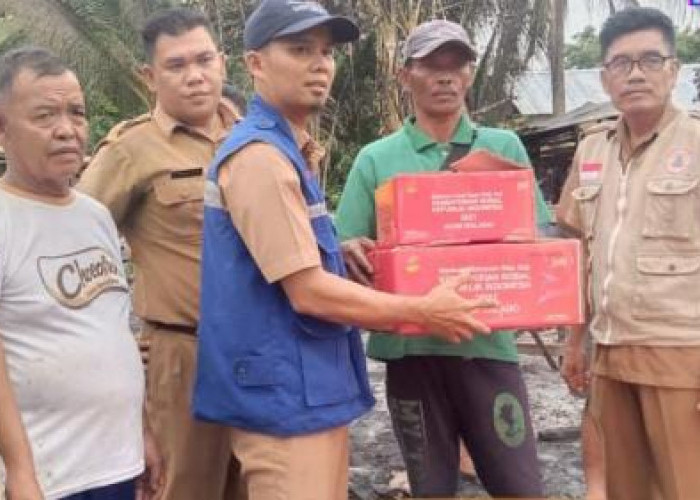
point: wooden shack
(551, 143)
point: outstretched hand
(448, 315)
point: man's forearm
(332, 298)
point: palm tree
(513, 33)
(98, 38)
(10, 32)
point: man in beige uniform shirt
(276, 361)
(150, 172)
(634, 197)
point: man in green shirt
(439, 392)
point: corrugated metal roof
(532, 94)
(588, 113)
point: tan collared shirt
(262, 192)
(150, 174)
(639, 214)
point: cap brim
(342, 29)
(434, 45)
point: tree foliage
(100, 40)
(688, 46)
(584, 52)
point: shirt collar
(166, 123)
(463, 133)
(301, 136)
(227, 115)
(621, 132)
(310, 149)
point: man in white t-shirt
(64, 301)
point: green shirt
(409, 150)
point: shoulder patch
(120, 128)
(597, 128)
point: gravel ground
(376, 466)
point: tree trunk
(556, 58)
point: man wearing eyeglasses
(633, 195)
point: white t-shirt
(71, 357)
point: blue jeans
(120, 491)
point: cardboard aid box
(463, 207)
(536, 284)
(481, 160)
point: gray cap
(276, 18)
(427, 37)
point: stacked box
(440, 208)
(479, 219)
(535, 284)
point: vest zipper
(621, 207)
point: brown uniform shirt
(263, 195)
(639, 215)
(150, 173)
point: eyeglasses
(622, 65)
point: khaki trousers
(198, 460)
(308, 467)
(651, 440)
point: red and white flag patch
(590, 172)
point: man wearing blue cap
(277, 361)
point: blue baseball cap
(277, 18)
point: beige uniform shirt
(639, 215)
(150, 173)
(263, 195)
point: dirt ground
(376, 465)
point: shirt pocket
(172, 190)
(180, 202)
(588, 201)
(261, 383)
(256, 371)
(667, 287)
(670, 209)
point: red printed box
(445, 208)
(536, 284)
(483, 160)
